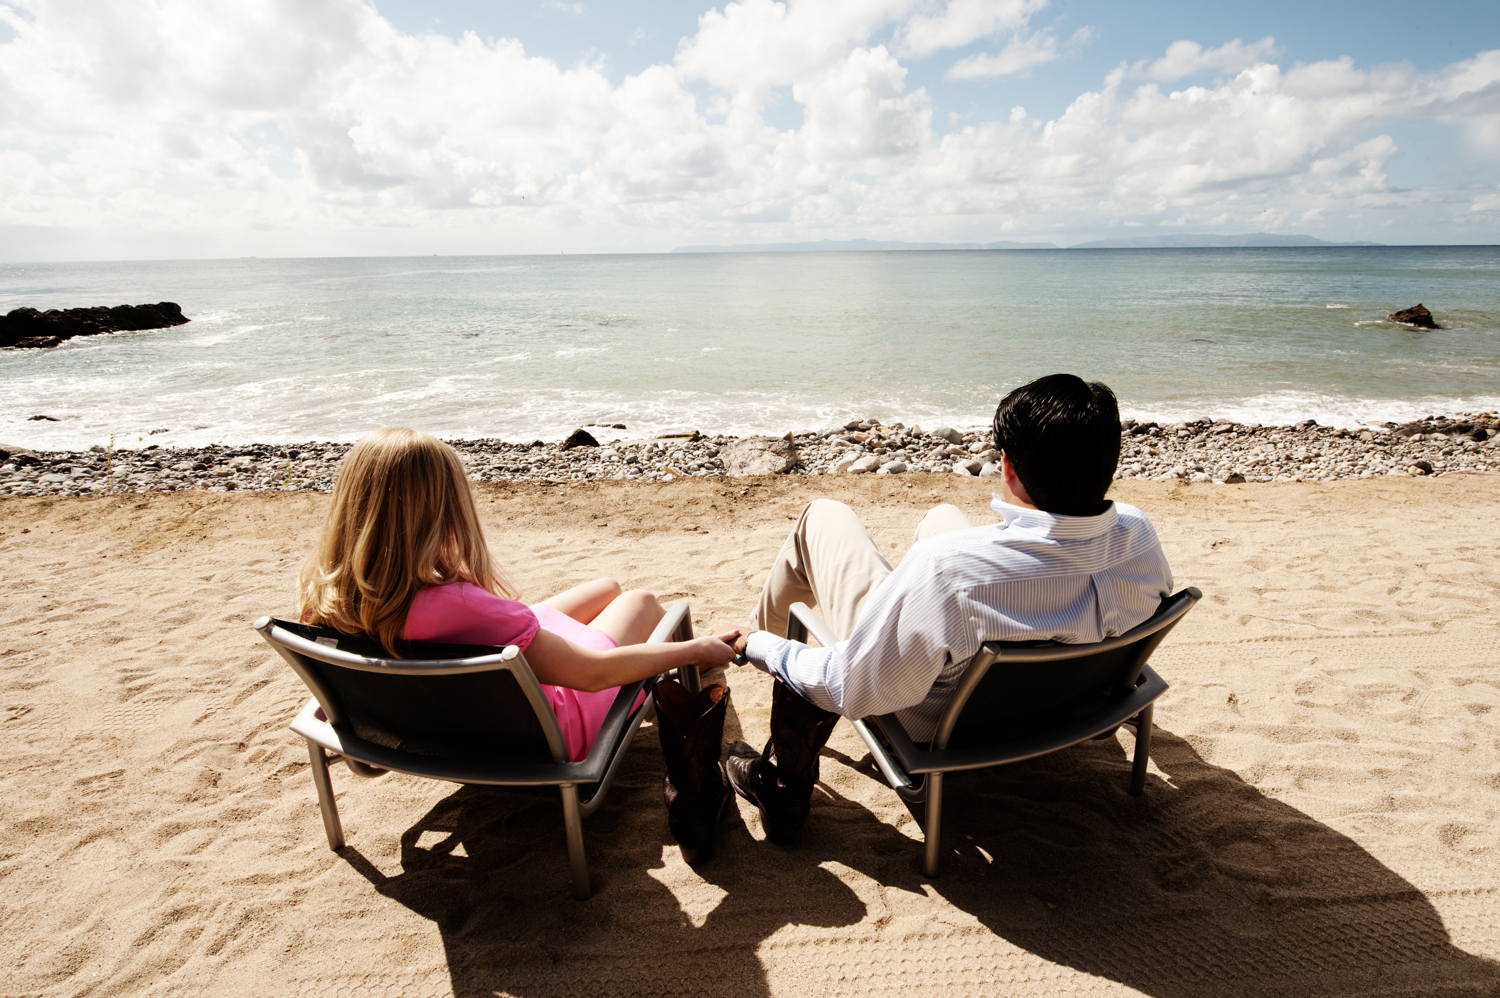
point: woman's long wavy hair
(402, 518)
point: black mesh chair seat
(1019, 700)
(462, 713)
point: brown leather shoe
(780, 780)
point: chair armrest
(802, 620)
(677, 625)
(889, 766)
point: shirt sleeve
(911, 628)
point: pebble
(1199, 451)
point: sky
(135, 129)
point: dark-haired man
(1066, 564)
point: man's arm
(910, 629)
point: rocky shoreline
(1200, 451)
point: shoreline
(1197, 451)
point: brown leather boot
(692, 733)
(780, 780)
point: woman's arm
(557, 661)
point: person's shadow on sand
(1203, 887)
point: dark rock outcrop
(26, 327)
(1415, 316)
(579, 438)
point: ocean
(283, 350)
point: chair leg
(933, 830)
(1142, 751)
(573, 823)
(326, 803)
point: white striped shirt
(1036, 576)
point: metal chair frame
(331, 737)
(916, 773)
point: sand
(1320, 818)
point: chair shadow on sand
(1203, 887)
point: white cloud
(961, 22)
(754, 45)
(571, 9)
(1017, 59)
(314, 126)
(1188, 58)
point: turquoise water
(522, 347)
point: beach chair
(461, 713)
(1019, 700)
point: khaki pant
(830, 561)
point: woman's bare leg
(586, 601)
(630, 618)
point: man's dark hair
(1062, 435)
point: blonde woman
(403, 558)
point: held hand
(713, 651)
(734, 635)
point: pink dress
(463, 614)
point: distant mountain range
(1193, 241)
(1176, 241)
(857, 246)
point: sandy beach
(1322, 814)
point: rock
(1199, 476)
(970, 467)
(18, 455)
(949, 434)
(978, 447)
(50, 419)
(759, 456)
(27, 327)
(959, 469)
(865, 464)
(579, 438)
(1415, 316)
(1423, 466)
(891, 468)
(1234, 478)
(989, 470)
(842, 464)
(243, 461)
(689, 436)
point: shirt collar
(1056, 525)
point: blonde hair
(402, 518)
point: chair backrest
(466, 702)
(1012, 688)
